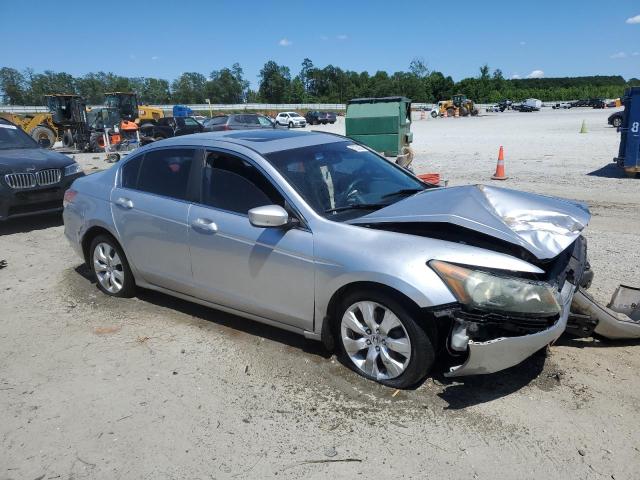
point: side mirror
(268, 216)
(44, 142)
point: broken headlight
(486, 291)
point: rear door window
(166, 172)
(130, 171)
(251, 120)
(234, 184)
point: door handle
(124, 203)
(205, 225)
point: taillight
(69, 197)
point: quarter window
(166, 172)
(233, 184)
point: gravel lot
(157, 388)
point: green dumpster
(383, 124)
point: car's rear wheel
(379, 339)
(617, 122)
(110, 267)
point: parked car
(316, 117)
(493, 108)
(168, 127)
(245, 121)
(290, 119)
(33, 178)
(615, 119)
(590, 102)
(561, 105)
(315, 234)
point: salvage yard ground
(154, 387)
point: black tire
(422, 351)
(41, 132)
(434, 114)
(451, 112)
(290, 124)
(464, 111)
(129, 285)
(67, 139)
(616, 122)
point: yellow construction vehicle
(459, 102)
(38, 125)
(127, 104)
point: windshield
(13, 137)
(344, 180)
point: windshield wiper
(357, 206)
(404, 191)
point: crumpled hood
(21, 159)
(544, 226)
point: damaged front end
(502, 317)
(510, 318)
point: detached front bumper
(501, 353)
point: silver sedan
(318, 235)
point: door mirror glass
(268, 216)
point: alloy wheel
(108, 267)
(375, 340)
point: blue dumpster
(182, 111)
(629, 152)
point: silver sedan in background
(318, 235)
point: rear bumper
(501, 353)
(15, 203)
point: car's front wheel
(111, 268)
(379, 339)
(617, 122)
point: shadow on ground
(465, 392)
(611, 170)
(233, 322)
(28, 224)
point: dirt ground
(157, 388)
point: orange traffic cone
(500, 174)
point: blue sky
(165, 38)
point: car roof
(262, 141)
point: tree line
(312, 84)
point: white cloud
(633, 20)
(635, 54)
(155, 57)
(618, 55)
(285, 42)
(515, 76)
(536, 74)
(324, 38)
(523, 42)
(342, 37)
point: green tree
(189, 88)
(12, 85)
(274, 82)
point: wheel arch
(92, 233)
(330, 321)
